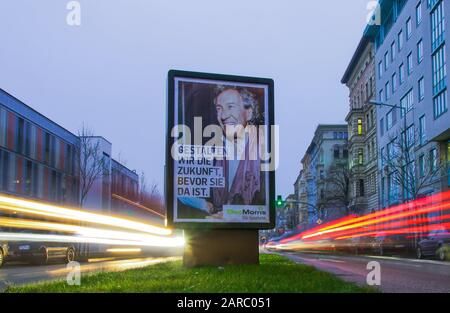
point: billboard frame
(169, 167)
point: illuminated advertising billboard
(221, 155)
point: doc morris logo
(253, 212)
(234, 212)
(246, 211)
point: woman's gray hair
(249, 100)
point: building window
(401, 73)
(407, 101)
(394, 83)
(400, 40)
(390, 150)
(409, 136)
(20, 135)
(380, 95)
(440, 104)
(433, 160)
(389, 120)
(380, 69)
(386, 61)
(367, 92)
(360, 156)
(437, 26)
(439, 70)
(408, 180)
(419, 52)
(360, 126)
(47, 148)
(421, 87)
(419, 13)
(361, 187)
(388, 91)
(409, 63)
(393, 192)
(345, 153)
(422, 165)
(408, 28)
(422, 131)
(393, 51)
(336, 152)
(382, 127)
(382, 156)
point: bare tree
(407, 170)
(91, 162)
(149, 195)
(122, 160)
(337, 188)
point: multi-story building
(411, 76)
(362, 143)
(300, 195)
(325, 162)
(125, 197)
(37, 156)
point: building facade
(411, 75)
(40, 160)
(300, 196)
(37, 156)
(362, 128)
(324, 161)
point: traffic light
(280, 201)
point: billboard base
(220, 247)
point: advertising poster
(219, 151)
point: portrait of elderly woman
(238, 110)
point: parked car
(435, 244)
(351, 245)
(382, 244)
(4, 248)
(41, 253)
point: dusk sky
(111, 71)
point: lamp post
(304, 203)
(402, 110)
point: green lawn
(275, 274)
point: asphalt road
(18, 274)
(398, 275)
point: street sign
(220, 156)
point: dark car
(351, 245)
(41, 253)
(435, 245)
(4, 248)
(384, 245)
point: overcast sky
(110, 72)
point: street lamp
(402, 109)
